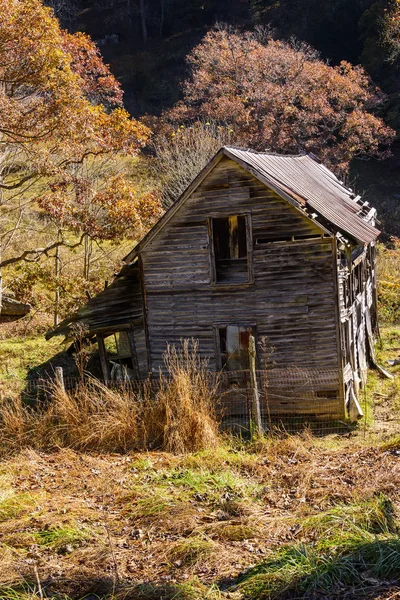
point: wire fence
(290, 400)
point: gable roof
(301, 180)
(313, 185)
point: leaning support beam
(103, 357)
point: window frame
(249, 248)
(217, 339)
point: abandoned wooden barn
(270, 245)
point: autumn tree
(59, 107)
(283, 97)
(100, 209)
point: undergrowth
(178, 417)
(353, 546)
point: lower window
(233, 346)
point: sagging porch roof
(116, 308)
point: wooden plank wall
(292, 299)
(357, 303)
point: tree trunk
(143, 20)
(87, 257)
(57, 270)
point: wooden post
(134, 356)
(103, 357)
(254, 386)
(57, 272)
(60, 378)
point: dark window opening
(357, 276)
(230, 249)
(234, 347)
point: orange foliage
(116, 211)
(283, 98)
(53, 86)
(99, 84)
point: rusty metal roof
(312, 185)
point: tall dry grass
(183, 417)
(178, 417)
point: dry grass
(183, 417)
(179, 417)
(184, 526)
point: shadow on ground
(40, 378)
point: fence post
(60, 378)
(254, 386)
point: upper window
(230, 249)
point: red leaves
(283, 98)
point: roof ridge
(264, 153)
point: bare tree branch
(37, 253)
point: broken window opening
(230, 249)
(234, 346)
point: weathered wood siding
(291, 301)
(358, 312)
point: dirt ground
(83, 524)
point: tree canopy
(50, 116)
(283, 97)
(59, 107)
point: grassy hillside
(281, 517)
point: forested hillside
(146, 41)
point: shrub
(182, 418)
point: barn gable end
(288, 299)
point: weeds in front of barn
(180, 417)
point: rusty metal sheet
(312, 185)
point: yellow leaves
(115, 211)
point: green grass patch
(9, 593)
(305, 570)
(375, 516)
(234, 455)
(66, 537)
(350, 546)
(14, 505)
(231, 532)
(191, 551)
(211, 486)
(153, 506)
(20, 355)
